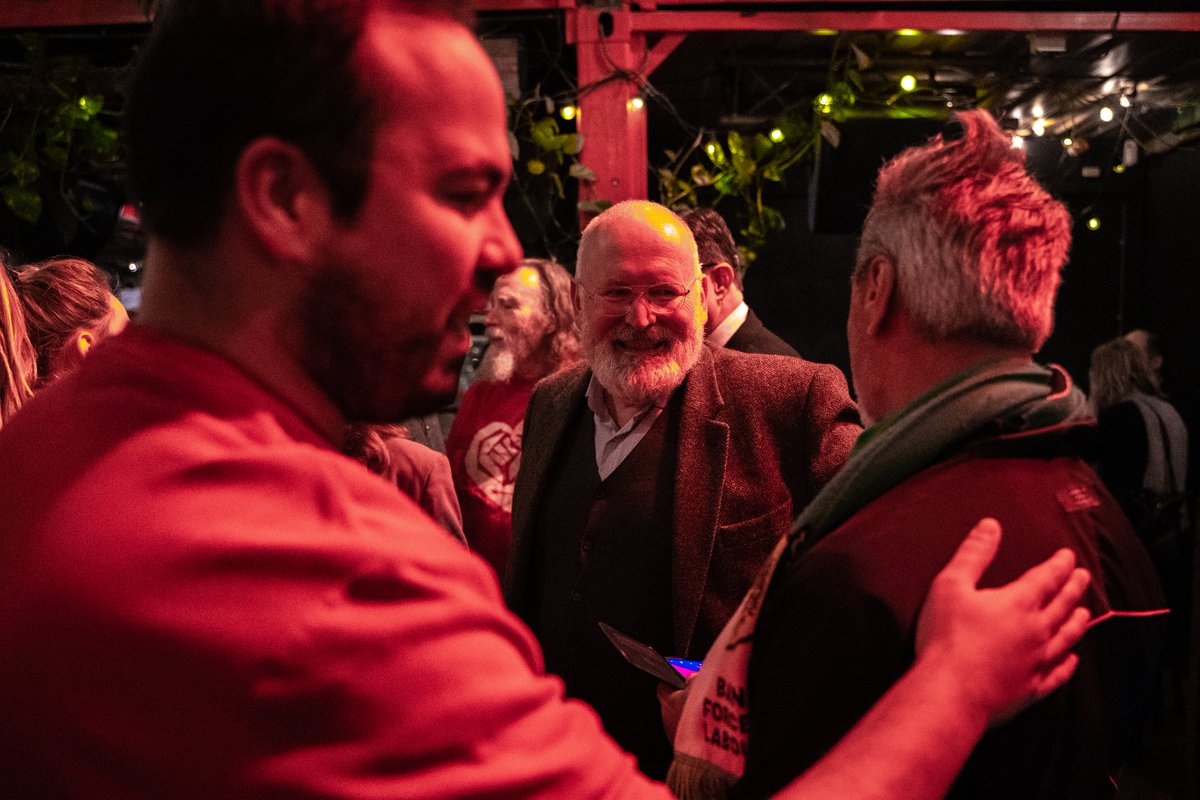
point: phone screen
(685, 666)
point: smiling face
(643, 354)
(385, 319)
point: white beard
(498, 364)
(641, 379)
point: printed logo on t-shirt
(493, 458)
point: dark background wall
(1141, 268)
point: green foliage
(56, 136)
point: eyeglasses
(661, 298)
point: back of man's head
(714, 241)
(978, 245)
(555, 281)
(216, 74)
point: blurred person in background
(18, 359)
(420, 472)
(531, 331)
(68, 309)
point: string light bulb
(1093, 223)
(1125, 101)
(908, 83)
(1106, 114)
(568, 112)
(776, 135)
(1037, 110)
(635, 103)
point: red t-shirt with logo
(484, 448)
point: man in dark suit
(657, 477)
(731, 323)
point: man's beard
(637, 378)
(498, 363)
(373, 366)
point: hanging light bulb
(568, 112)
(1106, 114)
(1093, 223)
(1125, 101)
(1017, 142)
(635, 103)
(1067, 142)
(1039, 127)
(908, 83)
(1037, 110)
(776, 135)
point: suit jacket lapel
(703, 441)
(556, 410)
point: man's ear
(877, 285)
(575, 297)
(721, 277)
(281, 198)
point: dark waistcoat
(602, 553)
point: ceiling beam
(75, 13)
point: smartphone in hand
(670, 671)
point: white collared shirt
(613, 444)
(729, 326)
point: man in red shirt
(531, 328)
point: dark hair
(367, 442)
(61, 296)
(714, 241)
(216, 74)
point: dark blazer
(753, 337)
(759, 436)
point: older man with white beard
(657, 476)
(530, 323)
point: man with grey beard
(530, 325)
(657, 476)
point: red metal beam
(665, 20)
(73, 13)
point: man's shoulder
(756, 373)
(564, 381)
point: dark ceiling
(745, 79)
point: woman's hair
(18, 360)
(1119, 370)
(61, 297)
(366, 442)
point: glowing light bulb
(1067, 142)
(635, 104)
(776, 135)
(1093, 223)
(710, 148)
(824, 32)
(1118, 168)
(568, 112)
(1124, 101)
(908, 83)
(908, 32)
(1037, 110)
(1038, 127)
(1106, 114)
(1018, 142)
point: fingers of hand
(974, 554)
(1066, 637)
(1057, 676)
(1040, 584)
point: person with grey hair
(657, 475)
(731, 323)
(952, 292)
(530, 324)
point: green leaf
(580, 172)
(25, 202)
(701, 176)
(91, 105)
(535, 166)
(544, 132)
(558, 185)
(570, 143)
(734, 141)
